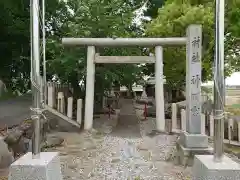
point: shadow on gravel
(127, 128)
(127, 122)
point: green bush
(7, 95)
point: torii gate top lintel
(117, 42)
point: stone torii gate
(93, 58)
(193, 70)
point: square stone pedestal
(193, 140)
(189, 145)
(205, 168)
(47, 167)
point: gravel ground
(101, 154)
(104, 154)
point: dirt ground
(111, 154)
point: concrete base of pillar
(193, 140)
(47, 167)
(185, 155)
(206, 169)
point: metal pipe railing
(219, 81)
(44, 53)
(35, 77)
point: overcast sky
(233, 80)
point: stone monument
(193, 141)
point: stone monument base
(46, 167)
(189, 145)
(193, 140)
(205, 168)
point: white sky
(233, 80)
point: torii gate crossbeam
(110, 42)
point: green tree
(172, 21)
(96, 19)
(14, 42)
(15, 38)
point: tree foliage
(111, 18)
(14, 42)
(73, 18)
(96, 19)
(172, 21)
(152, 7)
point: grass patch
(3, 177)
(28, 121)
(233, 110)
(235, 106)
(137, 178)
(232, 148)
(7, 95)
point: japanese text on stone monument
(194, 73)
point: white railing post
(211, 125)
(183, 120)
(79, 111)
(174, 116)
(203, 130)
(55, 96)
(70, 107)
(238, 124)
(135, 95)
(61, 102)
(50, 95)
(230, 128)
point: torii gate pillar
(89, 100)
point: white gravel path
(97, 156)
